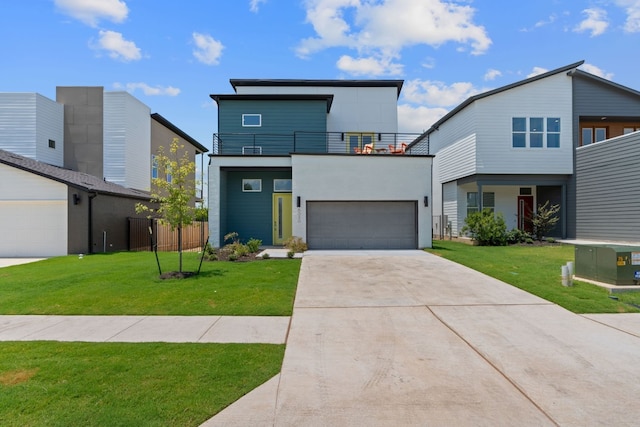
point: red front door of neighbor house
(525, 210)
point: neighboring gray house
(286, 162)
(513, 148)
(607, 190)
(47, 210)
(94, 159)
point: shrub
(254, 245)
(486, 228)
(517, 236)
(266, 255)
(295, 244)
(290, 254)
(544, 219)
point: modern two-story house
(513, 148)
(318, 159)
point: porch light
(298, 201)
(426, 201)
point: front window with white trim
(251, 120)
(251, 185)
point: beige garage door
(362, 225)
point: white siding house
(475, 152)
(127, 141)
(32, 125)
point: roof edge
(474, 98)
(166, 123)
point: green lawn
(129, 284)
(116, 384)
(536, 269)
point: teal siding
(280, 120)
(250, 214)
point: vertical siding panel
(127, 141)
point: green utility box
(612, 264)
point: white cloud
(368, 66)
(632, 9)
(596, 71)
(254, 5)
(148, 90)
(596, 22)
(492, 74)
(92, 11)
(117, 46)
(537, 71)
(435, 93)
(383, 28)
(208, 50)
(418, 119)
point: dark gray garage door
(362, 225)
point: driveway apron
(410, 339)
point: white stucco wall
(362, 178)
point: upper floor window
(535, 132)
(519, 129)
(252, 120)
(154, 166)
(553, 132)
(536, 129)
(593, 134)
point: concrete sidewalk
(177, 329)
(379, 339)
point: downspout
(92, 195)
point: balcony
(258, 144)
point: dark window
(52, 143)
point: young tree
(173, 190)
(544, 219)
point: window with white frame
(251, 185)
(154, 166)
(553, 132)
(488, 201)
(251, 120)
(535, 132)
(282, 186)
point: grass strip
(118, 384)
(536, 269)
(129, 284)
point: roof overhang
(275, 97)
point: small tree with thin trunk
(544, 219)
(173, 190)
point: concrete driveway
(410, 339)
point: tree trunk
(180, 245)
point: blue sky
(172, 54)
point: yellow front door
(281, 217)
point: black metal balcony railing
(316, 143)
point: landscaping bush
(254, 245)
(295, 244)
(486, 228)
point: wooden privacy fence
(194, 236)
